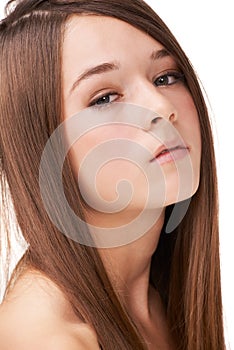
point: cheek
(188, 110)
(100, 136)
(188, 121)
(120, 177)
(189, 127)
(112, 180)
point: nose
(150, 97)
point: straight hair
(185, 267)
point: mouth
(166, 155)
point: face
(110, 66)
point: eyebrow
(159, 54)
(112, 66)
(101, 68)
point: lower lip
(171, 156)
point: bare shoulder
(35, 315)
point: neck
(128, 267)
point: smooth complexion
(106, 67)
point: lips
(163, 150)
(169, 150)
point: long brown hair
(185, 267)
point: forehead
(91, 38)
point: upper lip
(169, 147)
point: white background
(205, 31)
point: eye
(104, 100)
(169, 79)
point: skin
(132, 83)
(90, 41)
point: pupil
(163, 80)
(104, 99)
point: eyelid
(169, 72)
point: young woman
(140, 117)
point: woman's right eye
(104, 100)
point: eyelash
(177, 75)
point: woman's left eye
(169, 79)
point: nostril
(172, 117)
(155, 120)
